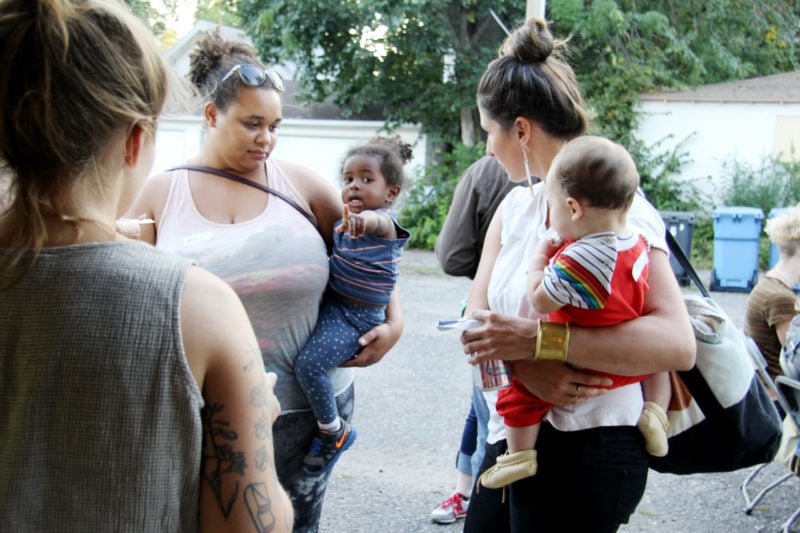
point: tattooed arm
(239, 489)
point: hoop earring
(527, 168)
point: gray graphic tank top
(277, 264)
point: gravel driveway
(409, 413)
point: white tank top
(276, 262)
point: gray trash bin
(681, 225)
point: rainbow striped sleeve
(581, 274)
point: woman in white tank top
(264, 247)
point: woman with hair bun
(271, 245)
(133, 394)
(592, 463)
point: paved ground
(410, 409)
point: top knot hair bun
(530, 43)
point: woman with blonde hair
(772, 303)
(133, 394)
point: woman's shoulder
(152, 197)
(299, 175)
(314, 190)
(769, 288)
(519, 199)
(522, 202)
(157, 186)
(308, 183)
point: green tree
(221, 11)
(735, 39)
(625, 48)
(155, 20)
(419, 60)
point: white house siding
(177, 139)
(714, 133)
(745, 120)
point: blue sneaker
(326, 449)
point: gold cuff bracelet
(552, 341)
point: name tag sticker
(197, 238)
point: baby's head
(597, 170)
(592, 173)
(373, 172)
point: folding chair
(787, 391)
(790, 392)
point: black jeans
(590, 480)
(292, 435)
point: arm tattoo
(259, 505)
(253, 353)
(258, 396)
(222, 459)
(263, 427)
(262, 458)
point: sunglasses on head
(255, 76)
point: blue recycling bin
(736, 233)
(681, 225)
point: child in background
(368, 244)
(597, 277)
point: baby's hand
(346, 216)
(345, 225)
(131, 227)
(353, 223)
(357, 225)
(548, 246)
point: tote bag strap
(243, 181)
(680, 256)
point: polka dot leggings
(334, 341)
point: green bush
(657, 167)
(425, 206)
(702, 255)
(768, 185)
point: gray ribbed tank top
(99, 414)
